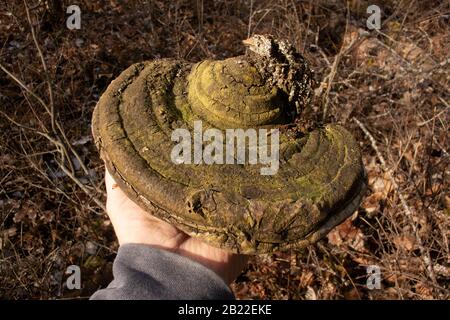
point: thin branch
(82, 186)
(408, 212)
(25, 87)
(56, 133)
(61, 147)
(329, 78)
(44, 65)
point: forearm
(145, 272)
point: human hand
(134, 225)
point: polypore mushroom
(320, 180)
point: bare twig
(447, 106)
(82, 186)
(249, 29)
(56, 135)
(60, 149)
(63, 147)
(64, 153)
(327, 81)
(408, 212)
(28, 90)
(44, 65)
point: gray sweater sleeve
(144, 272)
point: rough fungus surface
(393, 81)
(320, 180)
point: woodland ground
(389, 87)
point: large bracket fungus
(320, 181)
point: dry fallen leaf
(347, 233)
(426, 292)
(306, 278)
(405, 242)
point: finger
(118, 202)
(113, 191)
(109, 181)
(123, 211)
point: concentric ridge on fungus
(320, 181)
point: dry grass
(390, 88)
